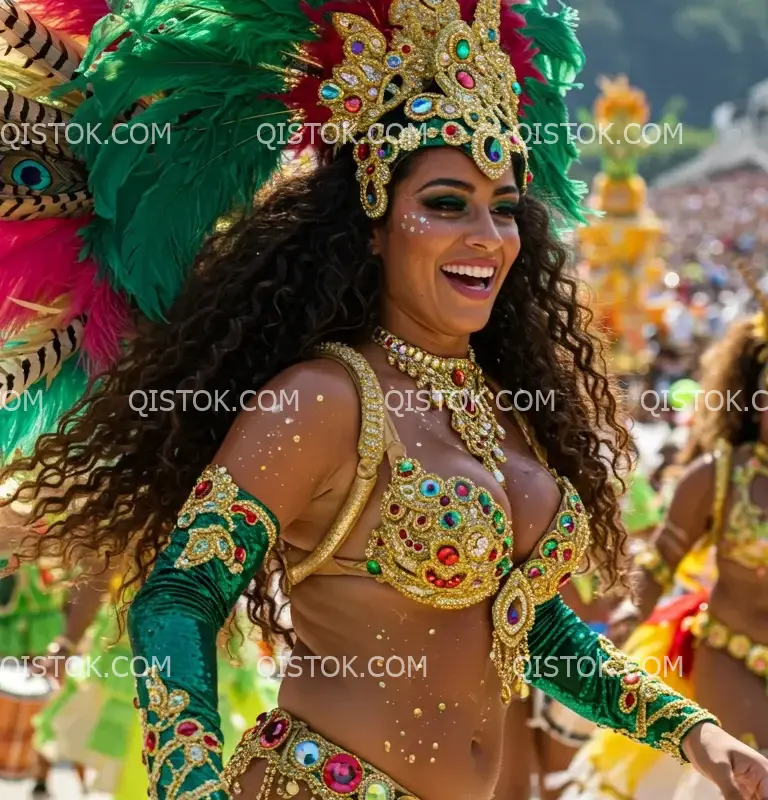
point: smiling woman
(421, 263)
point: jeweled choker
(458, 384)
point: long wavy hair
(731, 370)
(298, 271)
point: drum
(22, 696)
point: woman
(405, 259)
(713, 532)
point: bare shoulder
(296, 432)
(697, 480)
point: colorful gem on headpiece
(473, 104)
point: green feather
(210, 63)
(38, 410)
(552, 151)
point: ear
(378, 239)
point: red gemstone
(565, 579)
(403, 533)
(250, 516)
(631, 680)
(394, 508)
(261, 719)
(353, 104)
(471, 407)
(465, 79)
(370, 169)
(388, 341)
(448, 555)
(451, 130)
(462, 490)
(274, 733)
(440, 583)
(380, 542)
(430, 576)
(342, 773)
(422, 520)
(567, 555)
(458, 377)
(529, 177)
(240, 555)
(445, 501)
(534, 572)
(455, 581)
(203, 488)
(492, 556)
(406, 48)
(409, 542)
(150, 742)
(210, 741)
(629, 700)
(363, 151)
(418, 547)
(187, 728)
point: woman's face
(449, 241)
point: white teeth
(474, 272)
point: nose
(484, 235)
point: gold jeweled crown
(475, 105)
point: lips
(472, 280)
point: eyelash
(455, 204)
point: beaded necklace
(457, 383)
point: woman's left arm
(585, 672)
(588, 674)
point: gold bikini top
(444, 541)
(744, 536)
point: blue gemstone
(491, 35)
(429, 488)
(371, 199)
(330, 91)
(306, 753)
(357, 48)
(421, 105)
(393, 62)
(516, 88)
(512, 616)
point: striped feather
(35, 45)
(31, 361)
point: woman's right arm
(266, 473)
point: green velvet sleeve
(220, 541)
(588, 674)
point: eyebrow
(453, 183)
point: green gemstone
(373, 567)
(201, 546)
(406, 466)
(498, 517)
(377, 791)
(462, 49)
(508, 541)
(484, 499)
(4, 562)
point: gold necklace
(458, 384)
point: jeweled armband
(217, 494)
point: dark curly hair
(296, 272)
(731, 370)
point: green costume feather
(551, 149)
(207, 63)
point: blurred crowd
(711, 231)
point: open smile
(470, 280)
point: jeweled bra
(446, 543)
(745, 534)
